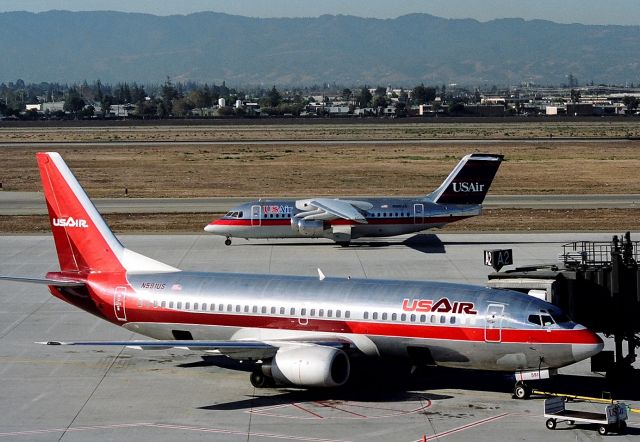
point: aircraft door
(418, 213)
(255, 215)
(303, 319)
(493, 323)
(119, 300)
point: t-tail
(83, 241)
(469, 181)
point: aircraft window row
(277, 215)
(432, 319)
(234, 214)
(237, 308)
(384, 214)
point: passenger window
(255, 309)
(443, 319)
(171, 304)
(179, 306)
(313, 312)
(366, 315)
(423, 318)
(394, 316)
(403, 317)
(375, 315)
(433, 319)
(384, 316)
(452, 320)
(303, 312)
(204, 307)
(264, 309)
(195, 306)
(413, 318)
(155, 303)
(347, 314)
(282, 310)
(229, 308)
(292, 312)
(329, 313)
(163, 304)
(187, 305)
(338, 313)
(246, 309)
(220, 307)
(321, 313)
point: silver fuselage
(459, 325)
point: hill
(113, 46)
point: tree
(73, 102)
(575, 96)
(423, 94)
(630, 102)
(274, 97)
(365, 97)
(346, 94)
(380, 91)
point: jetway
(597, 284)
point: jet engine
(309, 366)
(308, 227)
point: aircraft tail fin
(83, 240)
(469, 181)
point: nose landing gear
(521, 390)
(227, 242)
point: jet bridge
(597, 284)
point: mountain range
(67, 46)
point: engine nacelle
(309, 366)
(308, 227)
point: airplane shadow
(392, 381)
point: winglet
(320, 275)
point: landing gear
(344, 243)
(521, 390)
(227, 242)
(260, 380)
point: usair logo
(70, 222)
(468, 187)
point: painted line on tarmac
(466, 427)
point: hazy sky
(624, 12)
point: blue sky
(623, 12)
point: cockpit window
(547, 320)
(234, 214)
(535, 319)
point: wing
(328, 209)
(241, 350)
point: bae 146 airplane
(296, 331)
(460, 196)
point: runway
(32, 203)
(76, 394)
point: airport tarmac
(73, 394)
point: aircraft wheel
(227, 242)
(603, 430)
(551, 424)
(521, 391)
(258, 379)
(622, 427)
(344, 243)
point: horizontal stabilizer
(45, 281)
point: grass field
(541, 166)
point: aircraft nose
(590, 346)
(211, 227)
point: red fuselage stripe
(415, 331)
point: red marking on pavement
(308, 411)
(340, 409)
(467, 426)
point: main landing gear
(344, 243)
(260, 380)
(521, 390)
(227, 242)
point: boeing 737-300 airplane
(460, 196)
(299, 331)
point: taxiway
(76, 394)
